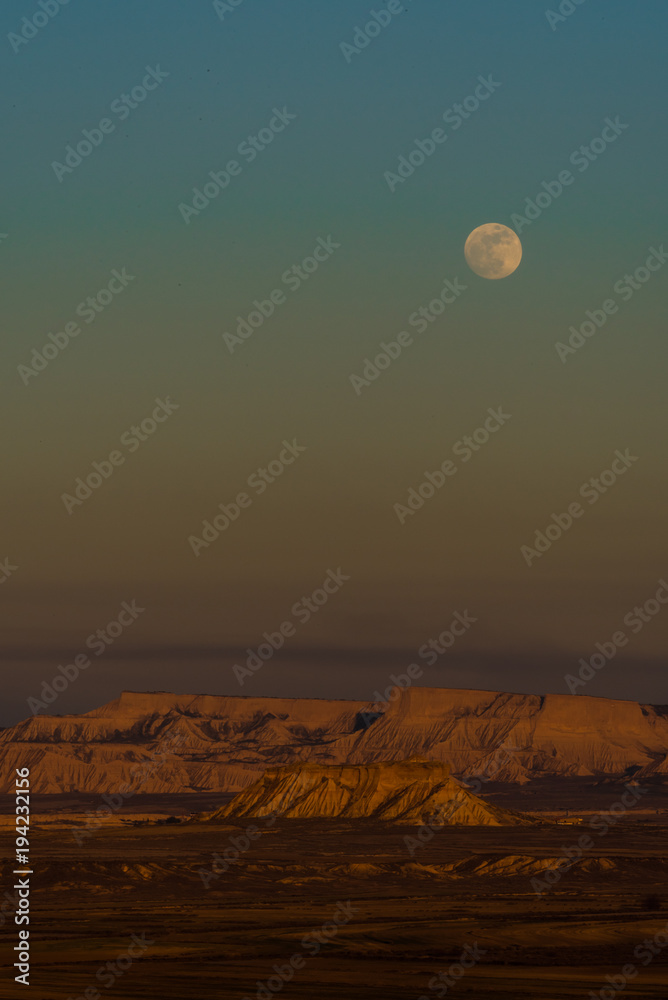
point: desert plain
(415, 904)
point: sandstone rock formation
(412, 791)
(160, 742)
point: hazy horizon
(78, 701)
(175, 288)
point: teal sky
(162, 336)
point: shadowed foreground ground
(413, 914)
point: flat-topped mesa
(411, 792)
(580, 714)
(427, 704)
(198, 742)
(555, 734)
(132, 705)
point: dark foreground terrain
(389, 920)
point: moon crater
(493, 251)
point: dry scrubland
(414, 914)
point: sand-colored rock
(408, 791)
(161, 742)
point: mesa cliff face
(409, 791)
(161, 742)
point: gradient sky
(162, 337)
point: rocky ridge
(162, 742)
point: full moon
(493, 250)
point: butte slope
(566, 735)
(161, 742)
(169, 743)
(408, 791)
